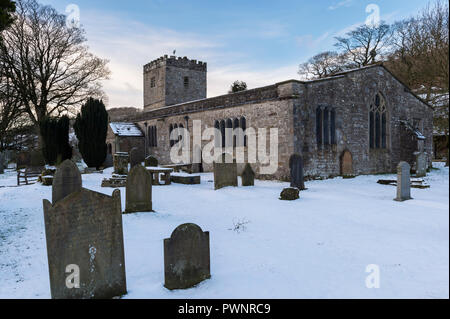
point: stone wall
(291, 107)
(350, 95)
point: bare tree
(48, 63)
(364, 44)
(420, 59)
(322, 65)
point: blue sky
(260, 42)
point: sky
(260, 42)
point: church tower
(172, 80)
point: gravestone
(138, 190)
(135, 157)
(151, 161)
(225, 172)
(421, 165)
(121, 163)
(108, 161)
(186, 257)
(290, 193)
(248, 176)
(66, 180)
(296, 168)
(85, 246)
(403, 182)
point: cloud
(310, 42)
(129, 46)
(344, 3)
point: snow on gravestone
(67, 180)
(225, 171)
(186, 257)
(85, 245)
(296, 168)
(403, 182)
(138, 190)
(248, 176)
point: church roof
(125, 129)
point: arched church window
(228, 136)
(217, 138)
(222, 132)
(325, 125)
(244, 127)
(235, 137)
(377, 122)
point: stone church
(362, 121)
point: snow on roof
(125, 129)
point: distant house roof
(125, 129)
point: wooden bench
(29, 174)
(155, 171)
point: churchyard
(225, 241)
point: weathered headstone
(138, 190)
(225, 172)
(290, 193)
(151, 161)
(66, 180)
(421, 165)
(186, 257)
(85, 246)
(403, 182)
(248, 176)
(296, 167)
(135, 157)
(121, 163)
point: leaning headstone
(85, 246)
(186, 257)
(151, 161)
(225, 172)
(138, 190)
(421, 165)
(296, 168)
(403, 182)
(135, 157)
(121, 163)
(248, 176)
(66, 180)
(291, 193)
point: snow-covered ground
(315, 247)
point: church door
(346, 163)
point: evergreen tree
(91, 127)
(55, 137)
(238, 86)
